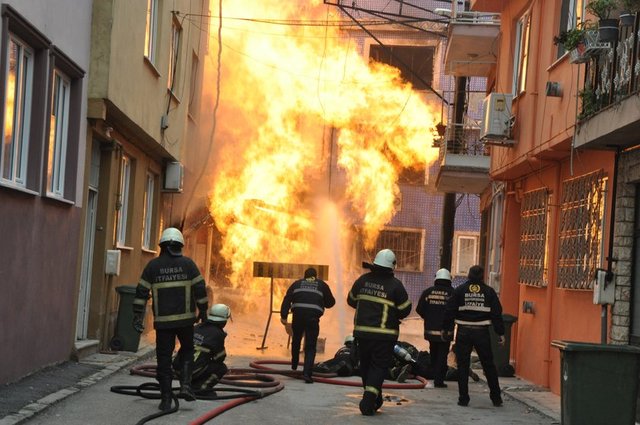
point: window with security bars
(407, 244)
(581, 215)
(533, 238)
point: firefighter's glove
(501, 340)
(138, 322)
(287, 327)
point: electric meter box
(112, 265)
(604, 292)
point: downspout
(610, 259)
(550, 288)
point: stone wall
(628, 178)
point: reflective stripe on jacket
(474, 304)
(308, 296)
(381, 301)
(176, 287)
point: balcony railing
(612, 74)
(464, 161)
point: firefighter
(474, 306)
(381, 301)
(306, 298)
(209, 352)
(177, 287)
(431, 307)
(343, 363)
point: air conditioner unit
(496, 126)
(173, 176)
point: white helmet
(443, 274)
(348, 339)
(385, 258)
(219, 313)
(171, 234)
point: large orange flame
(295, 100)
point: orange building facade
(551, 209)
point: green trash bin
(126, 338)
(599, 383)
(501, 353)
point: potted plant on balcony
(629, 11)
(572, 41)
(607, 26)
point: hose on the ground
(330, 378)
(151, 390)
(247, 377)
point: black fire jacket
(381, 301)
(431, 308)
(176, 287)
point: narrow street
(297, 403)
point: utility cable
(214, 117)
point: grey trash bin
(126, 338)
(501, 353)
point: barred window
(581, 215)
(407, 244)
(533, 238)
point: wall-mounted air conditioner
(173, 177)
(496, 126)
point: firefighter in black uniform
(474, 306)
(381, 301)
(431, 307)
(176, 285)
(209, 352)
(343, 363)
(307, 298)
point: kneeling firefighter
(177, 287)
(209, 352)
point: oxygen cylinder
(403, 354)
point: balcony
(472, 46)
(609, 114)
(464, 162)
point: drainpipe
(610, 259)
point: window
(465, 252)
(407, 244)
(193, 86)
(521, 54)
(176, 32)
(571, 14)
(533, 238)
(41, 95)
(151, 30)
(123, 201)
(581, 216)
(147, 224)
(58, 133)
(17, 111)
(414, 62)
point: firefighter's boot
(368, 403)
(166, 396)
(186, 392)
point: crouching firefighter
(209, 353)
(176, 287)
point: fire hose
(151, 390)
(238, 377)
(330, 378)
